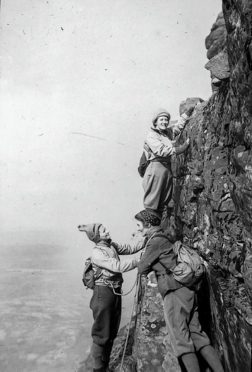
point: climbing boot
(190, 362)
(212, 358)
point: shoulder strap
(156, 235)
(163, 235)
(166, 270)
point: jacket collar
(103, 243)
(153, 230)
(166, 133)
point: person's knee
(101, 340)
(190, 362)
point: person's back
(159, 253)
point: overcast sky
(81, 80)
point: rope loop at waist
(115, 288)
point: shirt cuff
(184, 116)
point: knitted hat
(149, 216)
(92, 231)
(161, 113)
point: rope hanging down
(137, 282)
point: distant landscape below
(44, 310)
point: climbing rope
(131, 316)
(109, 284)
(138, 281)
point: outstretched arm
(136, 246)
(149, 257)
(104, 261)
(178, 127)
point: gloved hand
(182, 148)
(190, 111)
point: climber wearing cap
(159, 146)
(106, 300)
(180, 302)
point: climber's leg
(114, 327)
(106, 313)
(97, 356)
(166, 202)
(177, 309)
(198, 336)
(212, 358)
(154, 184)
(190, 362)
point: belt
(161, 160)
(107, 283)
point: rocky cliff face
(214, 193)
(213, 207)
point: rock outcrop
(216, 43)
(216, 40)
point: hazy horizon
(80, 83)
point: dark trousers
(182, 321)
(106, 307)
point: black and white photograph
(126, 186)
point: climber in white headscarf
(159, 147)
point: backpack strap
(154, 235)
(163, 235)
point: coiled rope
(109, 284)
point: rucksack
(190, 266)
(89, 274)
(143, 164)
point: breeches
(182, 321)
(106, 307)
(158, 186)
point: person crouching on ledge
(180, 302)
